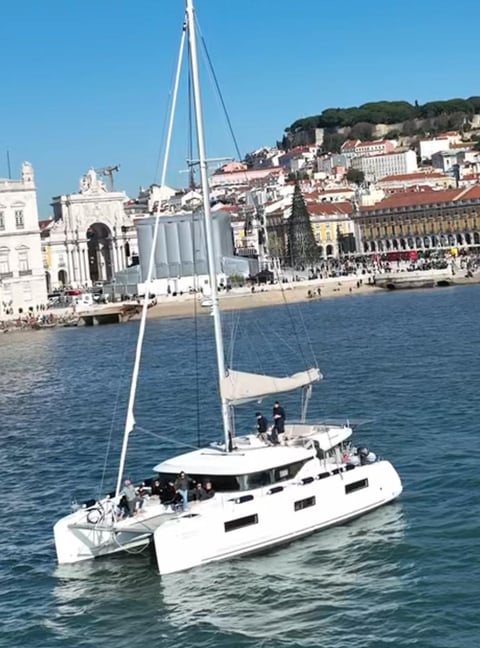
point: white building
(431, 146)
(379, 166)
(90, 237)
(181, 254)
(22, 278)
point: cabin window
(239, 523)
(220, 483)
(256, 480)
(304, 503)
(287, 472)
(358, 485)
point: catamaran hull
(243, 527)
(76, 540)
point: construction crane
(107, 172)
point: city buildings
(90, 237)
(22, 277)
(425, 220)
(377, 166)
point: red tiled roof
(420, 175)
(371, 143)
(329, 208)
(414, 198)
(349, 144)
(43, 224)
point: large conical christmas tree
(302, 249)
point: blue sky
(86, 83)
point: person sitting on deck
(208, 491)
(170, 497)
(198, 493)
(156, 488)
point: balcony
(6, 275)
(24, 273)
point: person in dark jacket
(278, 420)
(262, 426)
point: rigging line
(217, 86)
(235, 319)
(307, 336)
(292, 321)
(115, 408)
(164, 438)
(130, 418)
(172, 98)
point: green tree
(302, 249)
(355, 175)
(332, 142)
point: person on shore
(182, 484)
(262, 426)
(278, 422)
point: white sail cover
(240, 387)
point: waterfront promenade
(239, 298)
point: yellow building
(423, 220)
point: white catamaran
(265, 494)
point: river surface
(405, 575)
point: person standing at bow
(278, 421)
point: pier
(112, 314)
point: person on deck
(208, 490)
(156, 488)
(182, 484)
(132, 498)
(262, 426)
(278, 421)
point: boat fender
(243, 498)
(323, 475)
(275, 489)
(306, 480)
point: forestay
(241, 387)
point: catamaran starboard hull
(276, 516)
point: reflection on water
(279, 594)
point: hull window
(351, 488)
(304, 503)
(239, 523)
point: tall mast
(208, 216)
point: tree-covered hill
(386, 112)
(363, 122)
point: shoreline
(189, 305)
(268, 296)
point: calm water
(406, 575)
